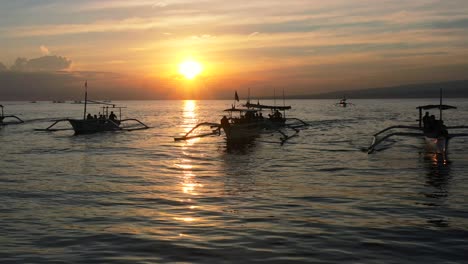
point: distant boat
(58, 102)
(343, 102)
(105, 122)
(3, 117)
(33, 102)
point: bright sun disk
(190, 69)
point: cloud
(16, 85)
(44, 50)
(253, 34)
(44, 63)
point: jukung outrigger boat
(4, 117)
(343, 102)
(246, 123)
(105, 122)
(434, 132)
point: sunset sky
(133, 49)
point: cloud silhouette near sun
(44, 63)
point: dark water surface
(140, 197)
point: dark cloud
(45, 63)
(64, 85)
(2, 67)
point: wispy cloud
(44, 50)
(258, 36)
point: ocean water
(141, 197)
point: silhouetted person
(277, 115)
(432, 122)
(112, 116)
(89, 116)
(426, 120)
(95, 117)
(224, 122)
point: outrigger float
(435, 134)
(105, 122)
(3, 117)
(247, 123)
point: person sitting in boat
(224, 122)
(95, 117)
(426, 120)
(260, 116)
(432, 122)
(89, 116)
(112, 116)
(277, 114)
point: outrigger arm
(376, 141)
(187, 136)
(3, 117)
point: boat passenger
(224, 122)
(95, 117)
(426, 120)
(112, 116)
(277, 114)
(432, 122)
(89, 116)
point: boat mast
(86, 99)
(284, 104)
(274, 96)
(440, 106)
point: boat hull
(436, 145)
(93, 126)
(241, 132)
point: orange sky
(133, 48)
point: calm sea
(140, 197)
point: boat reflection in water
(437, 187)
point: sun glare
(190, 69)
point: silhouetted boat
(4, 117)
(434, 132)
(105, 122)
(343, 102)
(244, 124)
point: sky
(132, 49)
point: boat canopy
(440, 107)
(241, 110)
(260, 106)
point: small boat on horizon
(343, 102)
(106, 121)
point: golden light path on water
(185, 164)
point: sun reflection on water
(185, 165)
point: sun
(190, 69)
